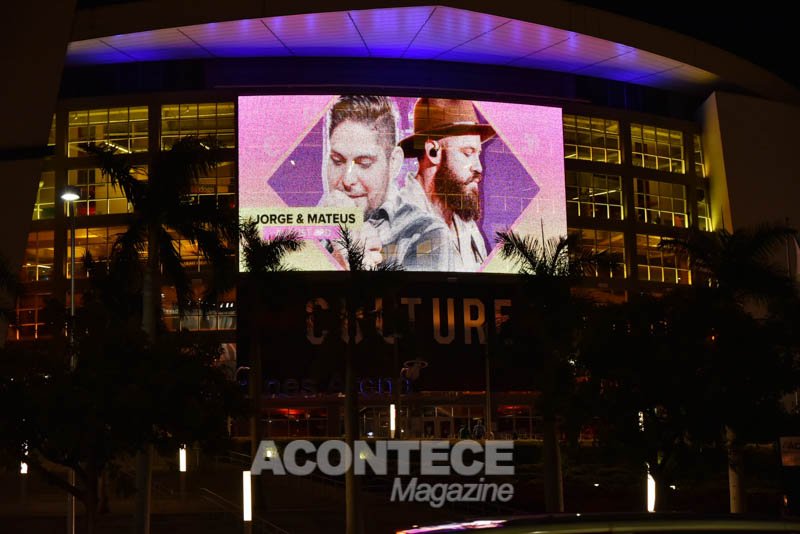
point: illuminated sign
(424, 182)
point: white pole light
(23, 467)
(651, 492)
(70, 194)
(392, 415)
(182, 458)
(247, 502)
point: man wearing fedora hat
(431, 223)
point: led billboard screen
(423, 182)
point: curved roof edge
(733, 71)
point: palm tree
(734, 275)
(262, 259)
(161, 210)
(10, 288)
(548, 272)
(357, 294)
(643, 356)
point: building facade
(661, 133)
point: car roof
(609, 523)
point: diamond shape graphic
(298, 179)
(523, 165)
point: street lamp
(70, 195)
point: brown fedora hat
(435, 118)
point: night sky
(763, 33)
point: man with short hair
(431, 224)
(360, 159)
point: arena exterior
(656, 133)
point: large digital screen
(424, 183)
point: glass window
(37, 265)
(210, 120)
(659, 265)
(699, 163)
(657, 148)
(51, 138)
(703, 211)
(591, 138)
(45, 205)
(594, 195)
(191, 257)
(29, 317)
(98, 195)
(124, 129)
(196, 315)
(217, 188)
(97, 241)
(660, 202)
(608, 244)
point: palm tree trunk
(350, 424)
(91, 497)
(151, 292)
(151, 302)
(735, 472)
(103, 506)
(144, 478)
(551, 453)
(551, 456)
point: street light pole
(70, 195)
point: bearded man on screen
(431, 223)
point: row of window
(442, 422)
(36, 315)
(595, 139)
(98, 196)
(589, 195)
(586, 138)
(652, 263)
(126, 128)
(599, 196)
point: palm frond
(187, 219)
(551, 259)
(9, 281)
(353, 249)
(173, 172)
(739, 264)
(260, 256)
(387, 266)
(525, 251)
(277, 248)
(765, 240)
(173, 268)
(117, 167)
(11, 288)
(128, 248)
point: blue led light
(423, 32)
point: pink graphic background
(281, 151)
